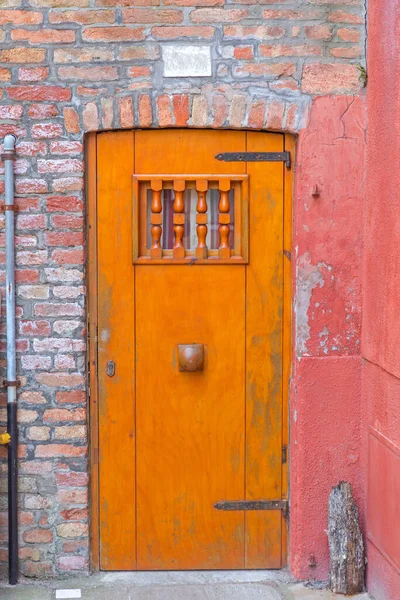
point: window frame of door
(92, 329)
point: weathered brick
(113, 34)
(55, 310)
(43, 36)
(330, 78)
(139, 71)
(341, 16)
(60, 379)
(345, 52)
(31, 397)
(20, 17)
(72, 479)
(257, 114)
(37, 433)
(126, 118)
(140, 53)
(243, 52)
(72, 530)
(347, 34)
(70, 432)
(56, 415)
(42, 111)
(94, 73)
(164, 110)
(168, 33)
(276, 50)
(217, 15)
(199, 111)
(266, 69)
(35, 328)
(72, 563)
(75, 397)
(220, 110)
(38, 536)
(64, 361)
(82, 17)
(145, 111)
(258, 32)
(34, 291)
(44, 92)
(69, 497)
(91, 117)
(318, 32)
(180, 104)
(64, 203)
(23, 55)
(59, 165)
(53, 450)
(82, 55)
(65, 147)
(144, 15)
(67, 184)
(46, 130)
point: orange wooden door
(173, 443)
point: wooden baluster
(224, 218)
(201, 218)
(156, 218)
(179, 218)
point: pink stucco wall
(326, 380)
(381, 287)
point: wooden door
(191, 341)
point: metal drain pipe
(11, 382)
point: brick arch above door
(214, 108)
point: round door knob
(191, 357)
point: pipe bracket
(16, 383)
(8, 156)
(5, 438)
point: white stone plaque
(187, 61)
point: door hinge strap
(253, 505)
(255, 157)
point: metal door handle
(191, 357)
(110, 369)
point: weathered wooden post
(346, 546)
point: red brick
(65, 147)
(55, 310)
(20, 17)
(55, 415)
(59, 165)
(180, 104)
(319, 32)
(128, 2)
(243, 52)
(53, 450)
(164, 110)
(142, 15)
(42, 111)
(330, 78)
(43, 92)
(71, 120)
(23, 55)
(35, 328)
(113, 34)
(348, 34)
(276, 111)
(258, 32)
(37, 257)
(80, 55)
(301, 15)
(34, 362)
(217, 15)
(91, 117)
(26, 276)
(31, 186)
(70, 432)
(29, 204)
(82, 17)
(37, 569)
(11, 112)
(74, 514)
(68, 257)
(72, 496)
(145, 111)
(92, 73)
(275, 50)
(263, 69)
(31, 222)
(340, 16)
(72, 563)
(168, 33)
(220, 110)
(44, 36)
(139, 71)
(64, 203)
(68, 184)
(46, 130)
(126, 112)
(61, 238)
(140, 53)
(256, 114)
(38, 536)
(75, 397)
(194, 2)
(345, 52)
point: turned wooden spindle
(179, 219)
(224, 218)
(156, 218)
(201, 218)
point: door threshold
(145, 578)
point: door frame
(92, 328)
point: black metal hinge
(254, 505)
(284, 454)
(255, 157)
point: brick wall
(71, 66)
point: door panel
(174, 443)
(190, 425)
